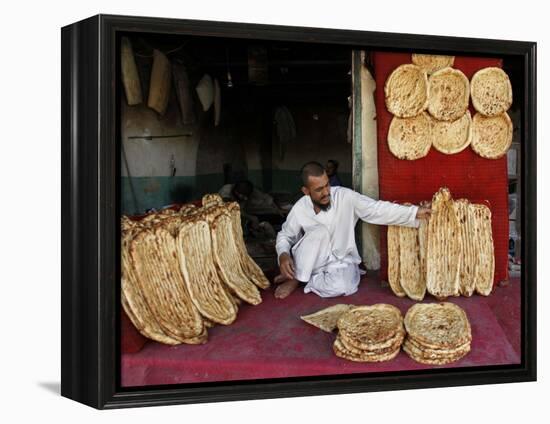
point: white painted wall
(152, 158)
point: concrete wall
(320, 135)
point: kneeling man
(316, 245)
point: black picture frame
(90, 217)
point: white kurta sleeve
(290, 233)
(382, 212)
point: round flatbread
(383, 347)
(491, 136)
(370, 326)
(449, 94)
(432, 62)
(452, 137)
(438, 325)
(406, 91)
(340, 351)
(438, 353)
(410, 138)
(418, 355)
(491, 91)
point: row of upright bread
(185, 270)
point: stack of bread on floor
(437, 333)
(450, 254)
(429, 100)
(369, 333)
(431, 333)
(185, 270)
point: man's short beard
(323, 207)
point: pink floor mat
(271, 341)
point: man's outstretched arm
(382, 212)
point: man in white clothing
(316, 245)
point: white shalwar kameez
(323, 245)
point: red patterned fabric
(466, 174)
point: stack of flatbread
(429, 100)
(437, 333)
(450, 254)
(185, 270)
(369, 333)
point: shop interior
(255, 111)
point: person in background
(255, 206)
(332, 173)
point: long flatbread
(251, 268)
(226, 259)
(393, 261)
(194, 245)
(163, 288)
(444, 247)
(133, 301)
(410, 270)
(470, 257)
(485, 272)
(423, 248)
